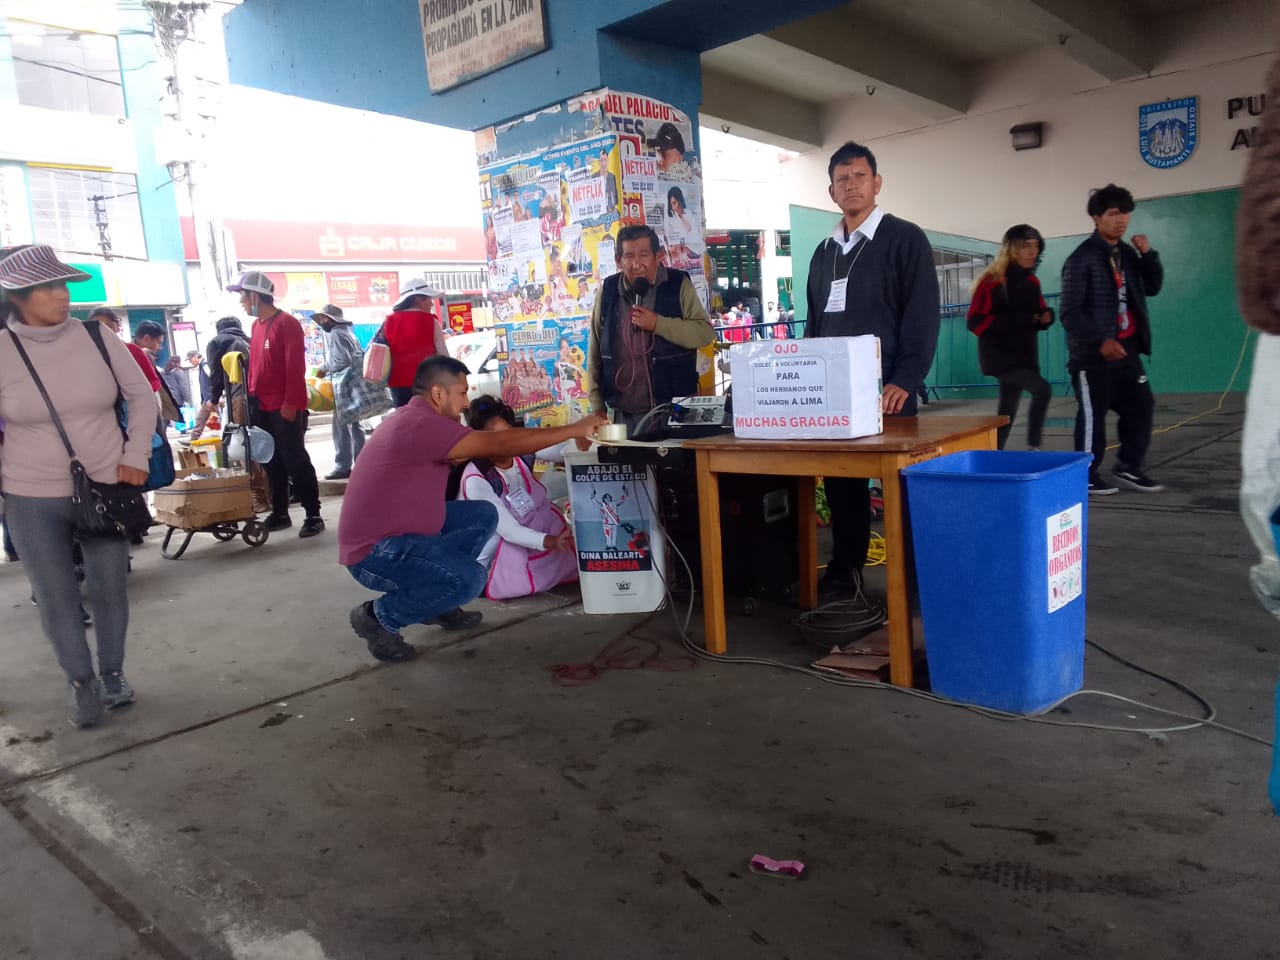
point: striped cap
(33, 265)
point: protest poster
(611, 526)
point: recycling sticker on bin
(1066, 556)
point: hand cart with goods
(215, 498)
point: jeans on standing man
(348, 441)
(343, 358)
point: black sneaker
(1137, 480)
(85, 706)
(338, 475)
(383, 644)
(311, 526)
(277, 521)
(116, 691)
(456, 619)
(1100, 488)
(838, 578)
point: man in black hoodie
(1105, 285)
(230, 338)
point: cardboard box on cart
(827, 388)
(193, 503)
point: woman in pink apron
(532, 549)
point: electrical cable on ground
(611, 658)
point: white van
(479, 351)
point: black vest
(673, 370)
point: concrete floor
(276, 796)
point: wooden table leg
(712, 567)
(806, 516)
(901, 668)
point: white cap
(417, 287)
(254, 282)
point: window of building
(957, 270)
(457, 283)
(68, 71)
(87, 212)
(783, 247)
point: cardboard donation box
(193, 502)
(827, 388)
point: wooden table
(906, 440)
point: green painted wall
(1198, 333)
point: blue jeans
(422, 577)
(348, 441)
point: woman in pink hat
(35, 314)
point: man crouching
(398, 535)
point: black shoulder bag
(102, 509)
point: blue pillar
(371, 56)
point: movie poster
(544, 372)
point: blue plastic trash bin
(1000, 547)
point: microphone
(639, 288)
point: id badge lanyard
(520, 499)
(1123, 322)
(839, 294)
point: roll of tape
(611, 432)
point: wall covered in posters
(555, 188)
(546, 218)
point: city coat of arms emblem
(1167, 131)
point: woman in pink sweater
(35, 474)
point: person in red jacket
(1007, 312)
(278, 400)
(412, 334)
(111, 320)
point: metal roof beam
(759, 113)
(939, 88)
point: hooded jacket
(230, 338)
